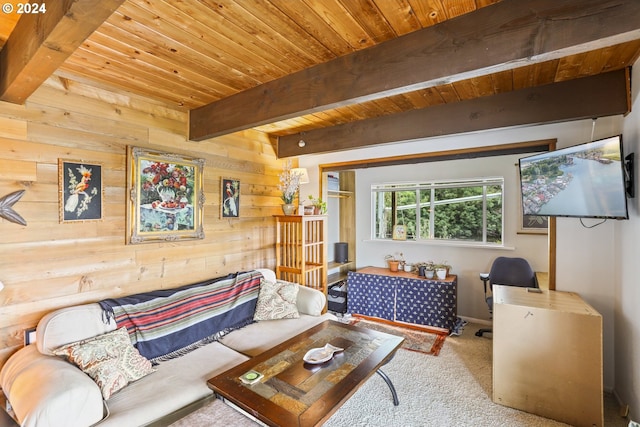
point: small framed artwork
(80, 191)
(166, 200)
(533, 224)
(399, 232)
(230, 194)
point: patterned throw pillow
(277, 301)
(110, 360)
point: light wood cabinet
(547, 355)
(301, 250)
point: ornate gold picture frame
(166, 200)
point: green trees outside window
(467, 210)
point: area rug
(427, 340)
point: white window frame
(439, 184)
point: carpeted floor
(453, 389)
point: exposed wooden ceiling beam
(528, 147)
(506, 35)
(42, 41)
(596, 96)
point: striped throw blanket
(168, 323)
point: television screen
(585, 180)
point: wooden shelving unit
(345, 222)
(301, 250)
(340, 274)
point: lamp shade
(302, 172)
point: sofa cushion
(109, 359)
(277, 300)
(261, 336)
(71, 324)
(268, 274)
(175, 384)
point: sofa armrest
(310, 301)
(47, 391)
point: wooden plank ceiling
(194, 53)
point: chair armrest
(47, 391)
(485, 279)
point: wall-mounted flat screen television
(584, 181)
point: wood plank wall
(48, 264)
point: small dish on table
(319, 355)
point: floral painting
(80, 191)
(167, 198)
(230, 198)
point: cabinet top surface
(381, 271)
(569, 302)
(300, 216)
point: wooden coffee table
(295, 393)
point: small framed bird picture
(81, 191)
(230, 192)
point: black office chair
(510, 272)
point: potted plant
(394, 262)
(429, 269)
(424, 268)
(319, 205)
(442, 270)
(289, 183)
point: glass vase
(288, 208)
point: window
(465, 210)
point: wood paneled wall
(47, 264)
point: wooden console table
(403, 297)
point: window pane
(406, 211)
(425, 211)
(451, 210)
(494, 214)
(458, 213)
(383, 227)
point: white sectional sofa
(45, 390)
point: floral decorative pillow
(109, 359)
(277, 300)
